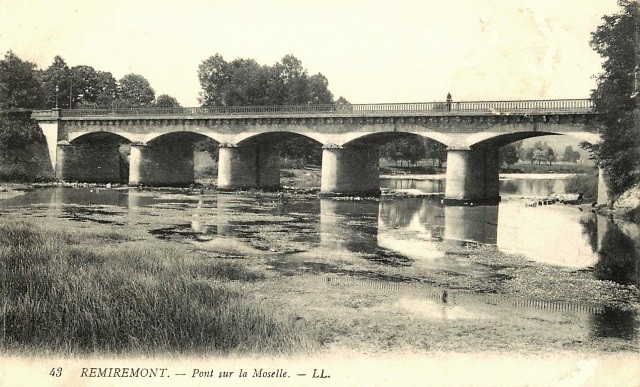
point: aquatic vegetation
(62, 295)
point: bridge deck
(468, 108)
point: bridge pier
(244, 167)
(90, 162)
(350, 171)
(472, 176)
(161, 165)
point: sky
(371, 51)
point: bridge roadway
(84, 144)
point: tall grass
(62, 295)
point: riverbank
(357, 306)
(460, 297)
(626, 207)
(11, 190)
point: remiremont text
(124, 372)
(141, 372)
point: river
(409, 233)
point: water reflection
(532, 187)
(423, 185)
(614, 322)
(393, 231)
(528, 187)
(411, 227)
(348, 225)
(618, 250)
(477, 224)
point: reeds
(63, 293)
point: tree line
(24, 86)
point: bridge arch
(364, 137)
(189, 135)
(94, 157)
(511, 134)
(247, 137)
(255, 161)
(78, 138)
(168, 159)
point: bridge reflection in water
(402, 231)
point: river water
(559, 235)
(406, 232)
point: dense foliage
(23, 86)
(570, 154)
(541, 153)
(91, 88)
(244, 82)
(19, 83)
(616, 98)
(21, 141)
(510, 154)
(135, 91)
(167, 101)
(412, 149)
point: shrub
(587, 185)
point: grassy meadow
(83, 292)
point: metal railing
(422, 108)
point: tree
(245, 82)
(135, 91)
(167, 101)
(570, 155)
(213, 74)
(409, 149)
(551, 155)
(342, 101)
(247, 85)
(618, 153)
(56, 85)
(21, 144)
(19, 83)
(435, 151)
(294, 79)
(91, 88)
(541, 152)
(319, 90)
(508, 155)
(528, 154)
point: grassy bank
(79, 292)
(559, 167)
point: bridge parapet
(467, 108)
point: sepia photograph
(320, 193)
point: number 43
(56, 372)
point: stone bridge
(84, 144)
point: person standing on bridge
(449, 100)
